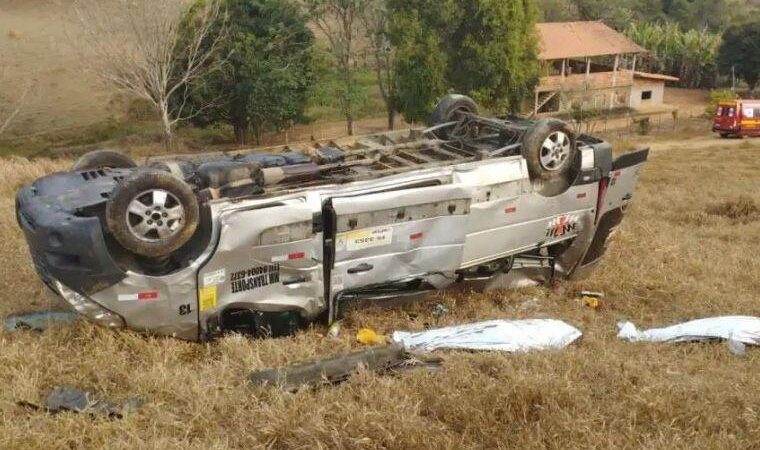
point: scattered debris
(502, 335)
(440, 310)
(591, 302)
(518, 278)
(334, 330)
(67, 398)
(742, 329)
(591, 294)
(531, 304)
(38, 321)
(367, 336)
(736, 347)
(340, 368)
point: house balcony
(582, 81)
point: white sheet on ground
(501, 335)
(738, 328)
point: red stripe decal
(415, 236)
(150, 295)
(582, 195)
(299, 255)
(510, 210)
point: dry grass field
(688, 249)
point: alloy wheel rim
(155, 215)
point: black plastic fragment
(67, 398)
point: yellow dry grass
(673, 260)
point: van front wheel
(152, 213)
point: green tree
(483, 48)
(421, 61)
(382, 55)
(340, 23)
(557, 11)
(741, 51)
(689, 55)
(714, 15)
(267, 71)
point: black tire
(162, 230)
(450, 106)
(725, 135)
(536, 152)
(100, 159)
(449, 109)
(180, 169)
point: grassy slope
(672, 261)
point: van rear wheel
(101, 159)
(452, 108)
(550, 149)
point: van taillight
(600, 199)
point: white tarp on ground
(501, 335)
(735, 328)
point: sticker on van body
(364, 238)
(562, 225)
(214, 278)
(207, 298)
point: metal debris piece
(501, 335)
(67, 398)
(38, 321)
(440, 310)
(334, 330)
(591, 294)
(743, 329)
(340, 368)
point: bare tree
(339, 21)
(151, 49)
(374, 19)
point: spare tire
(550, 149)
(100, 159)
(152, 213)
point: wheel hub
(155, 215)
(555, 151)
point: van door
(399, 235)
(267, 260)
(750, 118)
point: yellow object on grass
(591, 302)
(366, 336)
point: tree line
(256, 65)
(710, 15)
